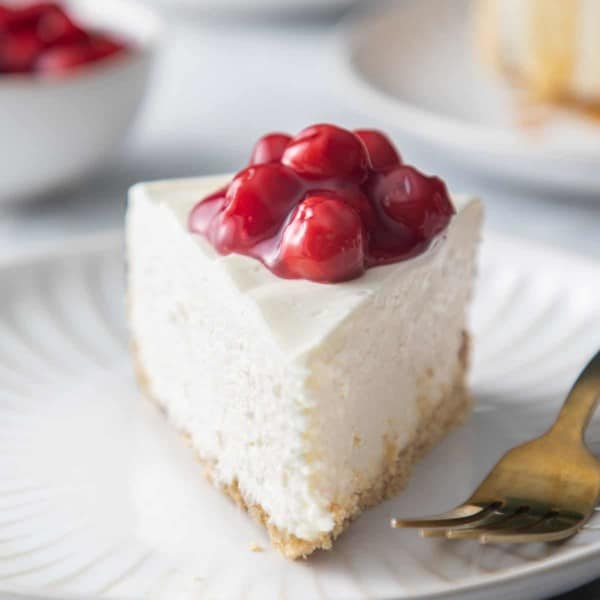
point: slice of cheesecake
(551, 47)
(307, 402)
(303, 323)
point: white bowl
(54, 132)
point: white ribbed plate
(100, 499)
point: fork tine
(549, 529)
(519, 520)
(490, 518)
(461, 515)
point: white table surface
(218, 86)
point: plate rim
(112, 239)
(56, 249)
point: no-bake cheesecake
(304, 323)
(551, 47)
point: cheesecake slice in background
(550, 47)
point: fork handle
(581, 402)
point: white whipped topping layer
(293, 389)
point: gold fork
(542, 491)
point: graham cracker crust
(396, 469)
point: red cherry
(103, 46)
(356, 199)
(258, 201)
(324, 242)
(388, 245)
(27, 17)
(327, 152)
(55, 27)
(382, 153)
(407, 197)
(202, 214)
(5, 14)
(62, 60)
(269, 148)
(19, 51)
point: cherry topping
(325, 206)
(407, 197)
(269, 148)
(382, 153)
(257, 202)
(355, 198)
(324, 241)
(27, 17)
(327, 152)
(103, 46)
(203, 213)
(4, 19)
(63, 59)
(55, 27)
(18, 51)
(43, 37)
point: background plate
(99, 498)
(413, 65)
(260, 8)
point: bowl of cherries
(72, 77)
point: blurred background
(206, 78)
(223, 72)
